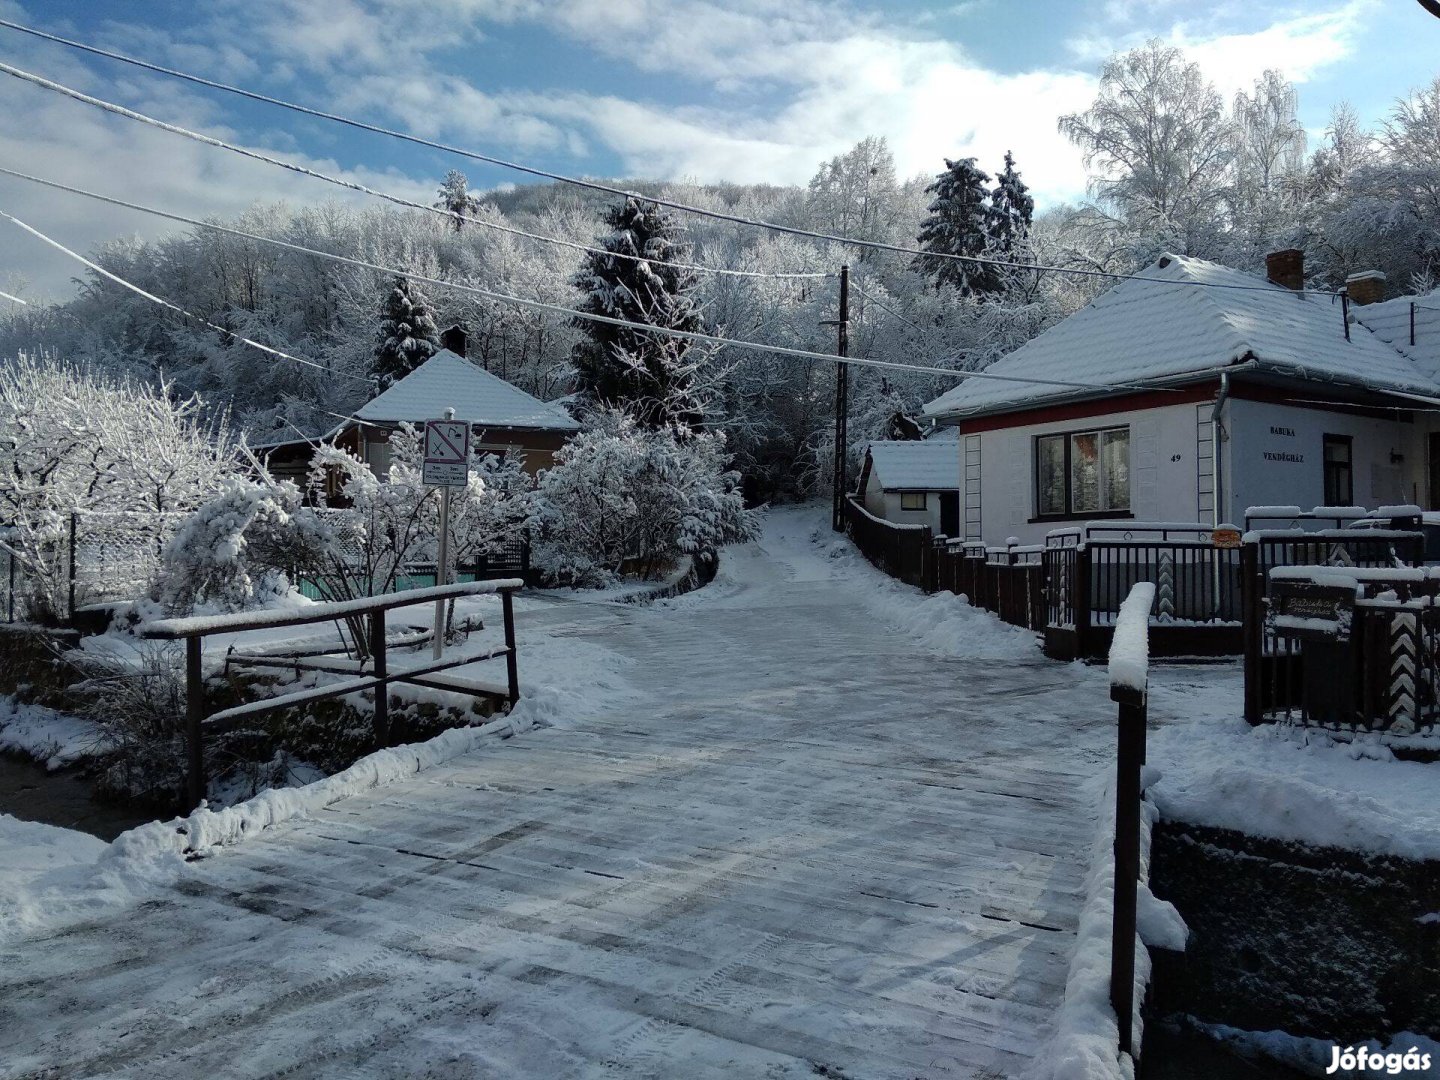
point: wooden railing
(1129, 689)
(199, 720)
(902, 551)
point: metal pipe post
(512, 671)
(194, 723)
(382, 692)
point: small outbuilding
(504, 419)
(914, 483)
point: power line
(399, 200)
(593, 185)
(13, 299)
(556, 309)
(167, 304)
(886, 307)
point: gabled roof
(1150, 332)
(447, 381)
(916, 466)
(1390, 321)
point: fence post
(1251, 630)
(194, 722)
(382, 692)
(73, 517)
(1129, 680)
(512, 672)
(1080, 600)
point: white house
(914, 483)
(1189, 403)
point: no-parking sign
(447, 453)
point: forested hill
(1231, 182)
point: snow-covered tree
(855, 195)
(407, 336)
(119, 453)
(649, 376)
(621, 493)
(958, 224)
(1011, 212)
(454, 197)
(1161, 145)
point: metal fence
(58, 565)
(1341, 629)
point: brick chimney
(1286, 268)
(454, 339)
(1366, 287)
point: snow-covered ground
(1283, 782)
(49, 737)
(803, 822)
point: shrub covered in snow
(621, 493)
(232, 553)
(74, 441)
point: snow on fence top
(199, 625)
(1130, 648)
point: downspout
(1217, 436)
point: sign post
(447, 465)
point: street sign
(447, 453)
(1225, 538)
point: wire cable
(14, 299)
(167, 304)
(594, 185)
(556, 309)
(399, 200)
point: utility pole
(842, 401)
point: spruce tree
(958, 224)
(407, 336)
(1012, 211)
(648, 376)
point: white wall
(1163, 484)
(1275, 456)
(886, 504)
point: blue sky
(745, 90)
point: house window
(1082, 472)
(912, 500)
(1339, 471)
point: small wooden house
(504, 419)
(913, 483)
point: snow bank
(53, 738)
(1312, 1057)
(1085, 1042)
(1285, 783)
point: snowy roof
(1390, 321)
(448, 381)
(1140, 331)
(916, 466)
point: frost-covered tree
(117, 453)
(958, 224)
(855, 194)
(407, 336)
(454, 197)
(1160, 144)
(621, 493)
(651, 377)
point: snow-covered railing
(903, 551)
(1292, 518)
(1129, 689)
(194, 629)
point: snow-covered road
(806, 844)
